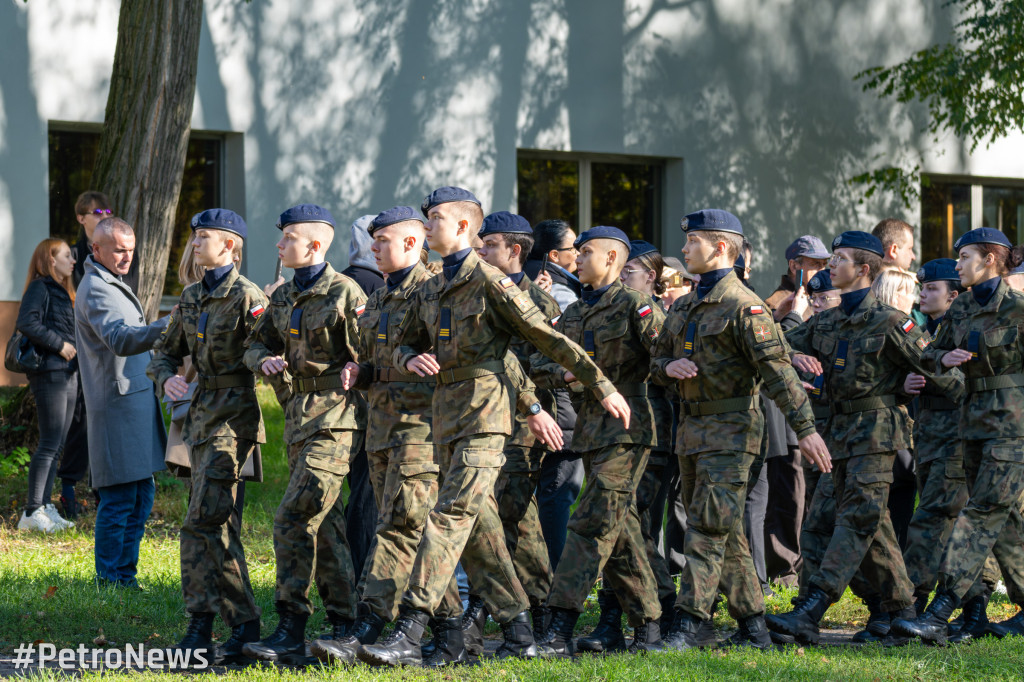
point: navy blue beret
(822, 281)
(445, 195)
(601, 232)
(305, 213)
(220, 219)
(938, 270)
(855, 239)
(504, 222)
(982, 235)
(638, 247)
(711, 220)
(741, 262)
(393, 216)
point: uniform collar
(214, 276)
(983, 293)
(411, 280)
(590, 296)
(932, 325)
(395, 279)
(708, 280)
(517, 277)
(453, 262)
(307, 276)
(852, 300)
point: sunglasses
(100, 211)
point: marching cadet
(824, 296)
(466, 316)
(721, 345)
(642, 272)
(507, 240)
(222, 428)
(617, 327)
(311, 332)
(399, 442)
(982, 335)
(869, 348)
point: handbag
(21, 356)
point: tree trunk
(146, 127)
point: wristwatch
(535, 408)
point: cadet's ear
(409, 242)
(315, 245)
(463, 226)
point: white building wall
(362, 105)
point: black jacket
(367, 279)
(47, 319)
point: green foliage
(14, 462)
(972, 86)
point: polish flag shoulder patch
(756, 309)
(644, 310)
(256, 310)
(360, 308)
(506, 282)
(908, 325)
(555, 319)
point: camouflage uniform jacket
(868, 355)
(994, 378)
(211, 326)
(399, 411)
(315, 332)
(736, 344)
(521, 434)
(618, 331)
(469, 322)
(937, 422)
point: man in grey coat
(125, 428)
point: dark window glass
(72, 156)
(1003, 209)
(627, 196)
(548, 189)
(945, 215)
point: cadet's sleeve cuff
(806, 431)
(603, 388)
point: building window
(587, 190)
(72, 155)
(952, 206)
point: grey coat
(126, 431)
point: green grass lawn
(47, 594)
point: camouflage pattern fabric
(646, 493)
(214, 574)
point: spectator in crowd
(126, 429)
(678, 281)
(897, 243)
(807, 254)
(47, 319)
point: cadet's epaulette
(256, 310)
(908, 325)
(506, 282)
(644, 310)
(756, 309)
(360, 308)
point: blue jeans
(120, 522)
(561, 479)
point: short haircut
(733, 242)
(872, 260)
(524, 241)
(890, 283)
(892, 231)
(470, 212)
(89, 200)
(112, 226)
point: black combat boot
(752, 633)
(894, 638)
(287, 641)
(541, 617)
(607, 636)
(975, 624)
(429, 646)
(473, 620)
(230, 652)
(920, 602)
(684, 633)
(365, 630)
(1006, 628)
(646, 637)
(932, 626)
(557, 641)
(448, 646)
(198, 635)
(402, 646)
(518, 638)
(781, 638)
(802, 622)
(877, 627)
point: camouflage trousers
(309, 527)
(515, 492)
(465, 524)
(214, 575)
(941, 494)
(864, 538)
(646, 493)
(816, 532)
(991, 521)
(604, 535)
(714, 486)
(404, 481)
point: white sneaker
(39, 520)
(59, 521)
